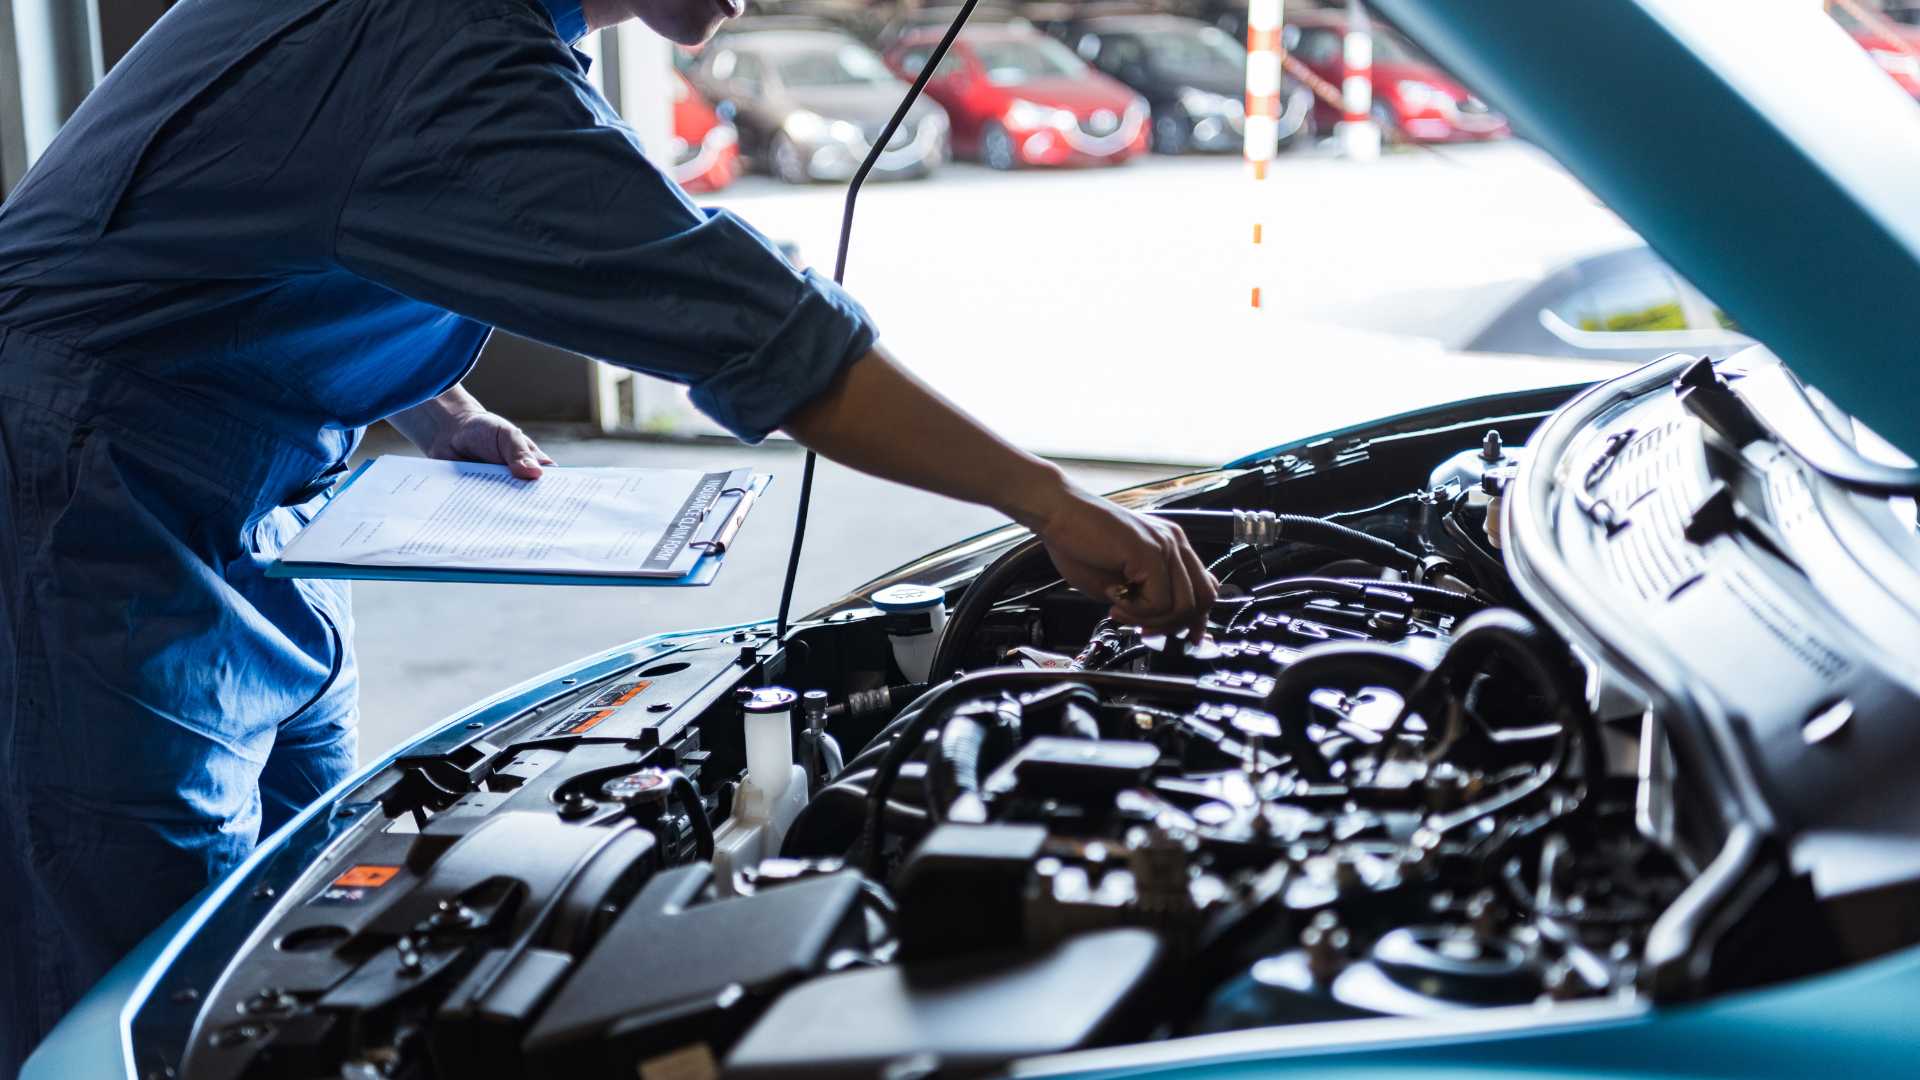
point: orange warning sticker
(587, 723)
(366, 877)
(618, 695)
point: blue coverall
(275, 222)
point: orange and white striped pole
(1260, 134)
(1359, 135)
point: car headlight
(803, 126)
(1418, 95)
(1201, 103)
(1896, 63)
(1026, 114)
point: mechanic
(276, 222)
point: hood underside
(1754, 146)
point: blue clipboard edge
(705, 569)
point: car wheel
(788, 166)
(996, 148)
(1171, 134)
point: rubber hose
(1219, 526)
(1542, 659)
(696, 810)
(953, 788)
(974, 604)
(1348, 664)
(1428, 597)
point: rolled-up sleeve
(504, 189)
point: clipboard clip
(718, 543)
(707, 511)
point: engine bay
(965, 819)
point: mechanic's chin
(683, 22)
(686, 22)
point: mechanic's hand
(485, 436)
(1141, 565)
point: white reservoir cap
(914, 616)
(769, 731)
(909, 598)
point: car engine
(965, 819)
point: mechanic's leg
(313, 752)
(105, 871)
(318, 746)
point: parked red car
(1897, 61)
(1411, 96)
(706, 149)
(1017, 97)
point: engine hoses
(953, 784)
(688, 796)
(1266, 529)
(919, 716)
(1288, 592)
(1352, 664)
(1260, 531)
(1545, 663)
(980, 597)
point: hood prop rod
(840, 278)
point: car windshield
(1012, 61)
(1203, 52)
(847, 65)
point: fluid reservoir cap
(647, 783)
(909, 597)
(768, 700)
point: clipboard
(714, 535)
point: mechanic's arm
(501, 188)
(879, 419)
(456, 427)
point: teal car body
(1768, 160)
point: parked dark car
(1192, 75)
(1618, 305)
(810, 101)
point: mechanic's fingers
(1180, 613)
(539, 455)
(1148, 589)
(1205, 592)
(522, 458)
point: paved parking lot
(1090, 313)
(1102, 312)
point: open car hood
(1669, 109)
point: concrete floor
(429, 649)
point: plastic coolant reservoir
(913, 616)
(771, 795)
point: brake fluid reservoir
(913, 616)
(771, 795)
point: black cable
(695, 808)
(793, 553)
(981, 596)
(840, 278)
(1219, 525)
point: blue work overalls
(275, 222)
